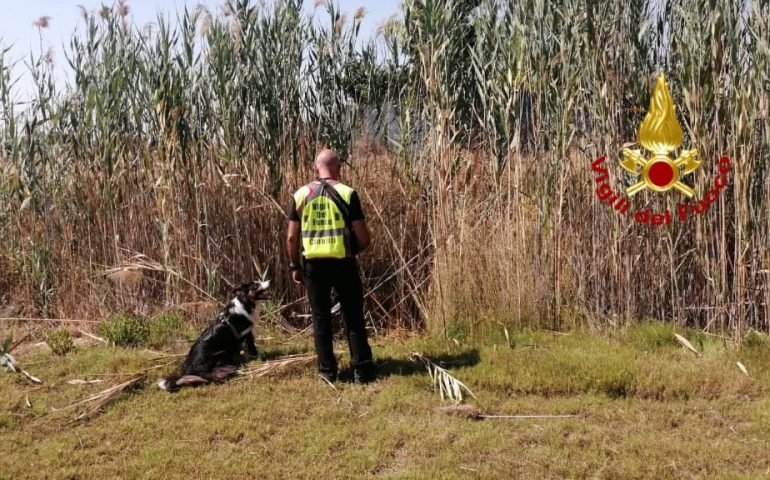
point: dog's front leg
(251, 347)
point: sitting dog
(216, 353)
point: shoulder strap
(309, 196)
(335, 197)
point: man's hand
(361, 232)
(296, 276)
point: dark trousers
(320, 276)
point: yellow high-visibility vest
(324, 228)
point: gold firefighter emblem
(660, 134)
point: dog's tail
(169, 384)
(175, 382)
(221, 373)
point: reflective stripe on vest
(323, 226)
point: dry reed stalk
(448, 386)
(401, 257)
(686, 343)
(280, 365)
(9, 363)
(96, 402)
(131, 271)
(78, 381)
(478, 108)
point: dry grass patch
(662, 414)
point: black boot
(364, 374)
(329, 377)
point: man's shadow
(387, 365)
(277, 352)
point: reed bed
(469, 126)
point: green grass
(59, 341)
(125, 330)
(649, 410)
(162, 328)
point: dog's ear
(254, 292)
(239, 288)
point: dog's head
(253, 291)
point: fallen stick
(94, 337)
(468, 411)
(53, 320)
(530, 416)
(18, 342)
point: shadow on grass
(387, 365)
(272, 353)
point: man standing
(326, 221)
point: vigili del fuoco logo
(657, 169)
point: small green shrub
(125, 330)
(162, 327)
(5, 345)
(652, 335)
(60, 341)
(756, 340)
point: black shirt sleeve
(355, 208)
(292, 211)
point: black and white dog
(216, 353)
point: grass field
(647, 408)
(135, 195)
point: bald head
(327, 164)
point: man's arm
(358, 224)
(361, 231)
(292, 242)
